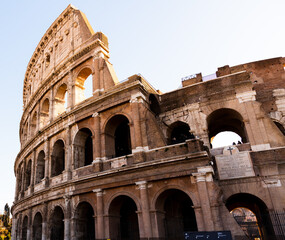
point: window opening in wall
(123, 219)
(247, 221)
(83, 148)
(40, 171)
(28, 174)
(177, 215)
(24, 228)
(83, 85)
(57, 224)
(88, 91)
(44, 116)
(61, 100)
(37, 227)
(179, 132)
(225, 139)
(226, 121)
(253, 216)
(85, 226)
(117, 137)
(57, 158)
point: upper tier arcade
(68, 53)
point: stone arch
(58, 158)
(154, 104)
(37, 226)
(28, 174)
(60, 99)
(179, 132)
(34, 121)
(40, 169)
(123, 218)
(117, 136)
(258, 207)
(25, 228)
(44, 115)
(83, 148)
(56, 223)
(84, 221)
(84, 75)
(191, 195)
(280, 127)
(226, 119)
(174, 214)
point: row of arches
(175, 215)
(51, 107)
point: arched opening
(85, 225)
(123, 219)
(247, 221)
(154, 104)
(60, 101)
(28, 174)
(40, 171)
(175, 214)
(44, 116)
(57, 158)
(83, 85)
(37, 227)
(117, 137)
(24, 228)
(179, 132)
(33, 127)
(256, 206)
(83, 148)
(223, 120)
(225, 139)
(57, 224)
(280, 127)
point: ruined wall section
(68, 32)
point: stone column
(145, 209)
(14, 227)
(68, 155)
(67, 217)
(29, 227)
(70, 95)
(47, 161)
(97, 161)
(51, 105)
(100, 214)
(44, 223)
(205, 174)
(135, 101)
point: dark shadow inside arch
(57, 158)
(24, 228)
(175, 214)
(40, 171)
(154, 104)
(258, 207)
(179, 132)
(83, 148)
(123, 219)
(85, 226)
(37, 227)
(118, 140)
(57, 224)
(28, 175)
(226, 119)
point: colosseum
(129, 162)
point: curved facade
(129, 162)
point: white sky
(161, 39)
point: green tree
(6, 235)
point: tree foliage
(5, 231)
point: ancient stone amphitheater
(129, 162)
